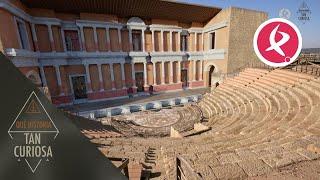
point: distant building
(87, 51)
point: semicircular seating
(260, 120)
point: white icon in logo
(276, 45)
(285, 13)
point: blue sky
(310, 30)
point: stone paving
(163, 117)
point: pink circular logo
(277, 42)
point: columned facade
(86, 60)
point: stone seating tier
(260, 120)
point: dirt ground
(307, 170)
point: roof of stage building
(171, 10)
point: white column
(208, 40)
(123, 77)
(108, 38)
(33, 31)
(133, 74)
(53, 48)
(161, 37)
(34, 36)
(95, 37)
(63, 39)
(143, 43)
(200, 70)
(179, 71)
(145, 73)
(112, 76)
(171, 73)
(195, 41)
(43, 76)
(194, 70)
(154, 73)
(170, 41)
(119, 36)
(202, 42)
(58, 76)
(89, 88)
(163, 79)
(179, 36)
(100, 77)
(83, 43)
(130, 39)
(152, 39)
(50, 32)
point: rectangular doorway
(79, 88)
(184, 78)
(139, 81)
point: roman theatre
(203, 105)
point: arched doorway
(210, 75)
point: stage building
(86, 51)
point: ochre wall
(166, 41)
(89, 39)
(164, 21)
(243, 24)
(67, 16)
(8, 31)
(102, 41)
(125, 40)
(175, 71)
(157, 41)
(148, 41)
(98, 17)
(199, 42)
(94, 77)
(114, 41)
(117, 75)
(57, 38)
(38, 12)
(128, 74)
(196, 24)
(150, 73)
(106, 76)
(50, 74)
(220, 66)
(158, 73)
(167, 71)
(190, 70)
(175, 45)
(43, 38)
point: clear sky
(310, 30)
